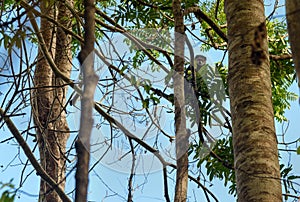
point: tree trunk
(43, 101)
(292, 17)
(254, 139)
(90, 81)
(63, 58)
(182, 139)
(49, 99)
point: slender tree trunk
(254, 139)
(292, 17)
(182, 139)
(49, 99)
(90, 80)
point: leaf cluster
(282, 71)
(221, 167)
(9, 194)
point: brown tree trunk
(63, 58)
(254, 139)
(182, 139)
(49, 99)
(42, 103)
(292, 17)
(90, 80)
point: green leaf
(147, 88)
(133, 80)
(298, 150)
(292, 177)
(146, 103)
(123, 69)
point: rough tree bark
(254, 139)
(42, 101)
(182, 139)
(292, 17)
(63, 58)
(49, 98)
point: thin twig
(130, 186)
(40, 171)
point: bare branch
(281, 57)
(130, 187)
(200, 15)
(166, 185)
(140, 44)
(40, 171)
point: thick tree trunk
(292, 17)
(182, 139)
(63, 58)
(48, 102)
(42, 103)
(254, 139)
